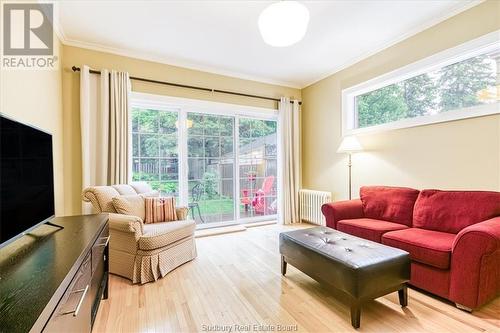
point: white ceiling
(223, 37)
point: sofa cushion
(124, 189)
(141, 187)
(452, 211)
(130, 205)
(393, 204)
(425, 246)
(158, 235)
(368, 228)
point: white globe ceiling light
(283, 23)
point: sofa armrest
(342, 210)
(88, 195)
(126, 223)
(475, 264)
(182, 213)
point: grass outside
(224, 206)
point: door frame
(185, 105)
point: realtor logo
(28, 29)
(28, 36)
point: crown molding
(420, 28)
(172, 62)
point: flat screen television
(26, 179)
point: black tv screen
(26, 178)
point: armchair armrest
(182, 213)
(475, 264)
(126, 223)
(342, 210)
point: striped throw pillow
(160, 209)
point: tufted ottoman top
(356, 266)
(350, 250)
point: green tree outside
(460, 82)
(453, 87)
(420, 95)
(155, 141)
(381, 106)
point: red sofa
(453, 237)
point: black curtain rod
(92, 71)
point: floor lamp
(349, 145)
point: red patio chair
(259, 201)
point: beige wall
(459, 154)
(98, 60)
(34, 97)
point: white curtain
(105, 128)
(120, 147)
(290, 148)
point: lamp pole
(350, 165)
(349, 145)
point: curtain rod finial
(75, 69)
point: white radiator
(310, 203)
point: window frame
(184, 106)
(158, 157)
(434, 62)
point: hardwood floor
(236, 280)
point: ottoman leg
(355, 315)
(283, 265)
(403, 296)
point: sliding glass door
(210, 154)
(257, 162)
(155, 156)
(223, 164)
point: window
(458, 83)
(221, 160)
(210, 166)
(155, 156)
(257, 162)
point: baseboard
(219, 231)
(232, 228)
(258, 224)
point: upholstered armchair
(141, 252)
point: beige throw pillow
(130, 205)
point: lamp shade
(349, 144)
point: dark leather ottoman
(360, 269)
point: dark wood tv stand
(53, 279)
